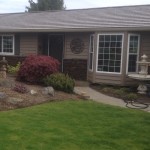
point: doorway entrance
(56, 46)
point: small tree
(34, 68)
(43, 5)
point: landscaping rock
(33, 92)
(3, 95)
(14, 100)
(48, 91)
(6, 83)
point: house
(101, 45)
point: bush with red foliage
(35, 68)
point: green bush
(130, 96)
(120, 92)
(107, 90)
(13, 69)
(60, 81)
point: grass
(74, 125)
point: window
(6, 44)
(133, 50)
(91, 52)
(109, 53)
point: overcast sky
(7, 6)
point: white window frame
(127, 64)
(105, 72)
(8, 53)
(91, 52)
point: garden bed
(18, 100)
(125, 93)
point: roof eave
(76, 29)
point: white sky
(7, 6)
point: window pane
(118, 50)
(107, 37)
(132, 63)
(133, 52)
(105, 68)
(91, 61)
(101, 44)
(106, 50)
(100, 56)
(113, 44)
(106, 62)
(117, 69)
(118, 44)
(91, 52)
(107, 44)
(106, 56)
(113, 50)
(100, 62)
(119, 38)
(111, 69)
(114, 38)
(118, 57)
(101, 50)
(101, 38)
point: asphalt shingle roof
(80, 19)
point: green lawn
(74, 125)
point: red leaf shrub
(35, 68)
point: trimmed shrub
(35, 68)
(13, 69)
(60, 81)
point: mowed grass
(74, 125)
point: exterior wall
(76, 68)
(28, 44)
(90, 76)
(85, 37)
(76, 64)
(145, 44)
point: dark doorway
(56, 46)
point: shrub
(13, 69)
(35, 68)
(130, 97)
(120, 92)
(107, 90)
(20, 88)
(60, 81)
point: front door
(55, 47)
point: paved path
(99, 97)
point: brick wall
(13, 60)
(76, 68)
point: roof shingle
(81, 19)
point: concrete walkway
(99, 97)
